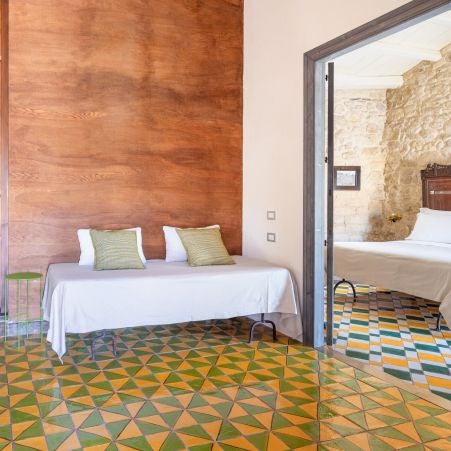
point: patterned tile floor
(200, 386)
(396, 332)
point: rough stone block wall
(417, 132)
(359, 126)
(392, 135)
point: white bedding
(418, 268)
(78, 299)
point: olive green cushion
(115, 249)
(204, 247)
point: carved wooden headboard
(436, 183)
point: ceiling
(381, 64)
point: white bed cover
(418, 268)
(78, 299)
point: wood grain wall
(122, 114)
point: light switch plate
(271, 237)
(271, 215)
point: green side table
(22, 278)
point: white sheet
(78, 299)
(418, 268)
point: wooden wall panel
(122, 114)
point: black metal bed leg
(354, 294)
(103, 334)
(438, 326)
(262, 321)
(113, 338)
(251, 332)
(92, 356)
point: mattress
(417, 268)
(78, 299)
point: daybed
(78, 299)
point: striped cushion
(204, 247)
(115, 249)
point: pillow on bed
(431, 227)
(87, 256)
(205, 247)
(116, 249)
(175, 252)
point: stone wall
(359, 126)
(417, 132)
(392, 135)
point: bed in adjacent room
(419, 265)
(418, 268)
(79, 300)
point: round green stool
(20, 278)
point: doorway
(316, 234)
(388, 127)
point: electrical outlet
(271, 237)
(271, 215)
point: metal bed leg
(113, 338)
(438, 326)
(92, 357)
(354, 294)
(100, 336)
(263, 321)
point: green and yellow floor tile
(221, 394)
(396, 333)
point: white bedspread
(418, 268)
(78, 299)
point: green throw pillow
(204, 247)
(115, 249)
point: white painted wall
(276, 35)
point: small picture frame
(347, 178)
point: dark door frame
(314, 164)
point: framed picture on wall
(347, 178)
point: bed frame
(436, 193)
(101, 335)
(436, 184)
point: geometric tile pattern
(395, 332)
(202, 387)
